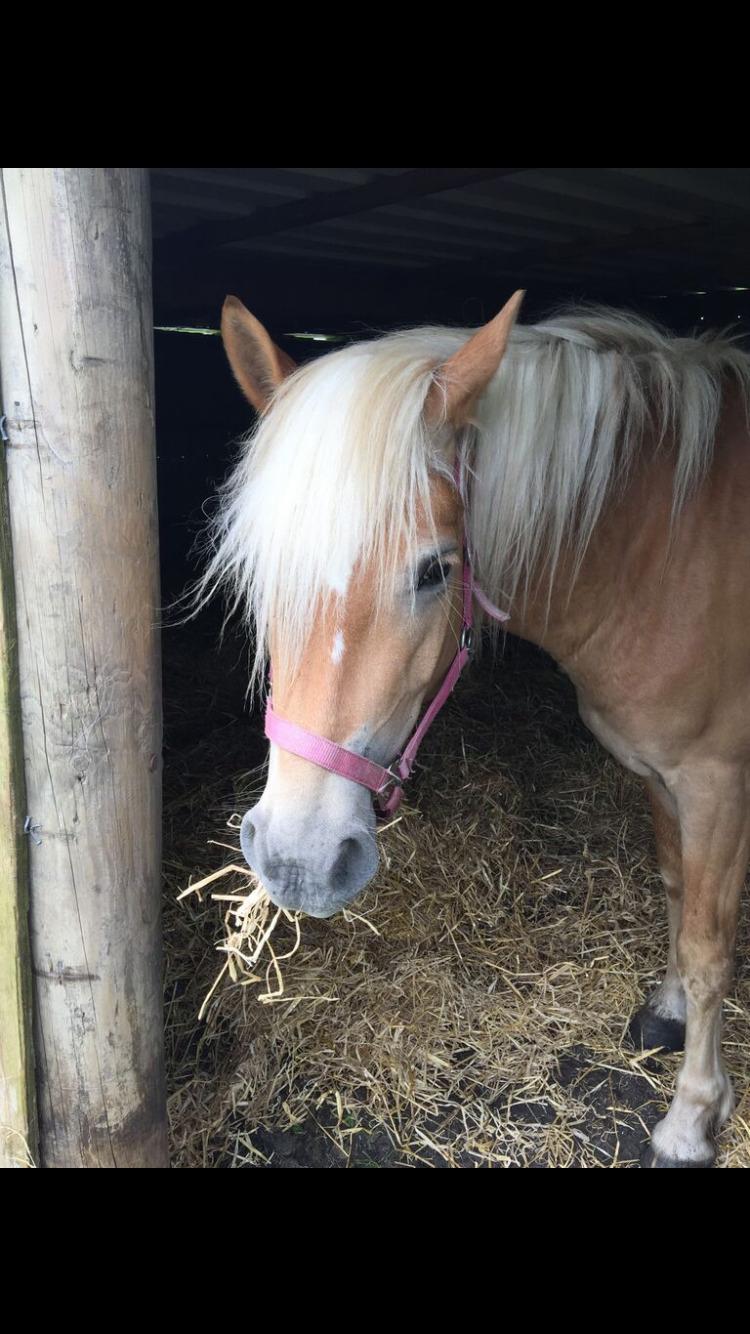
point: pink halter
(386, 784)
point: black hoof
(648, 1030)
(650, 1158)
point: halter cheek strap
(386, 784)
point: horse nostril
(345, 867)
(249, 830)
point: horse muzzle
(306, 866)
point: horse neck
(563, 612)
(637, 546)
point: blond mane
(335, 472)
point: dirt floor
(475, 1014)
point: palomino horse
(599, 471)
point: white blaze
(337, 652)
(339, 575)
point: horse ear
(259, 366)
(462, 379)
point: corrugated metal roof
(558, 224)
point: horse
(589, 474)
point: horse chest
(640, 758)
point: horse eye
(433, 573)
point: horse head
(344, 529)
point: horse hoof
(650, 1158)
(648, 1030)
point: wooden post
(76, 361)
(17, 1094)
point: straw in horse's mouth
(249, 923)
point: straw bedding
(470, 1010)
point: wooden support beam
(76, 359)
(18, 1146)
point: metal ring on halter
(467, 639)
(392, 781)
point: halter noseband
(386, 783)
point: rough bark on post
(76, 360)
(17, 1091)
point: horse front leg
(713, 812)
(661, 1021)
